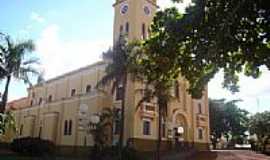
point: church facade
(56, 109)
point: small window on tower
(200, 108)
(121, 29)
(143, 31)
(127, 27)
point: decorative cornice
(70, 73)
(118, 2)
(121, 1)
(152, 3)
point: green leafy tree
(260, 125)
(16, 62)
(227, 119)
(212, 36)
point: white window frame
(198, 133)
(150, 126)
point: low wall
(202, 146)
(150, 145)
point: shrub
(111, 153)
(32, 146)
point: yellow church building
(56, 109)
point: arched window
(163, 128)
(119, 93)
(66, 128)
(146, 127)
(117, 126)
(40, 101)
(73, 92)
(176, 89)
(70, 127)
(88, 89)
(40, 132)
(200, 133)
(200, 108)
(21, 130)
(50, 98)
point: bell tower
(133, 18)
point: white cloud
(37, 17)
(59, 56)
(168, 3)
(255, 93)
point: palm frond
(31, 61)
(108, 55)
(9, 42)
(24, 72)
(41, 77)
(25, 47)
(148, 95)
(105, 80)
(3, 71)
(3, 50)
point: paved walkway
(231, 155)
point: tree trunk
(5, 96)
(265, 142)
(161, 105)
(159, 133)
(122, 131)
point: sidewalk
(230, 155)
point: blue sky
(70, 34)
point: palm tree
(117, 72)
(162, 93)
(15, 63)
(99, 130)
(153, 69)
(7, 126)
